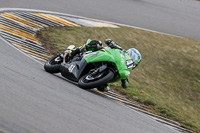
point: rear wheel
(92, 80)
(53, 64)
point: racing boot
(125, 83)
(65, 56)
(104, 88)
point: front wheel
(53, 64)
(90, 80)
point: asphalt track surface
(32, 100)
(177, 17)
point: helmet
(135, 56)
(94, 45)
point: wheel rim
(90, 77)
(56, 60)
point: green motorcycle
(93, 69)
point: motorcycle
(92, 69)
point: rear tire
(85, 84)
(53, 66)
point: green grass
(168, 77)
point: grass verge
(167, 79)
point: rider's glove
(112, 44)
(125, 83)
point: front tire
(89, 84)
(53, 64)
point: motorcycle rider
(94, 45)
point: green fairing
(111, 55)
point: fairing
(116, 56)
(73, 70)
